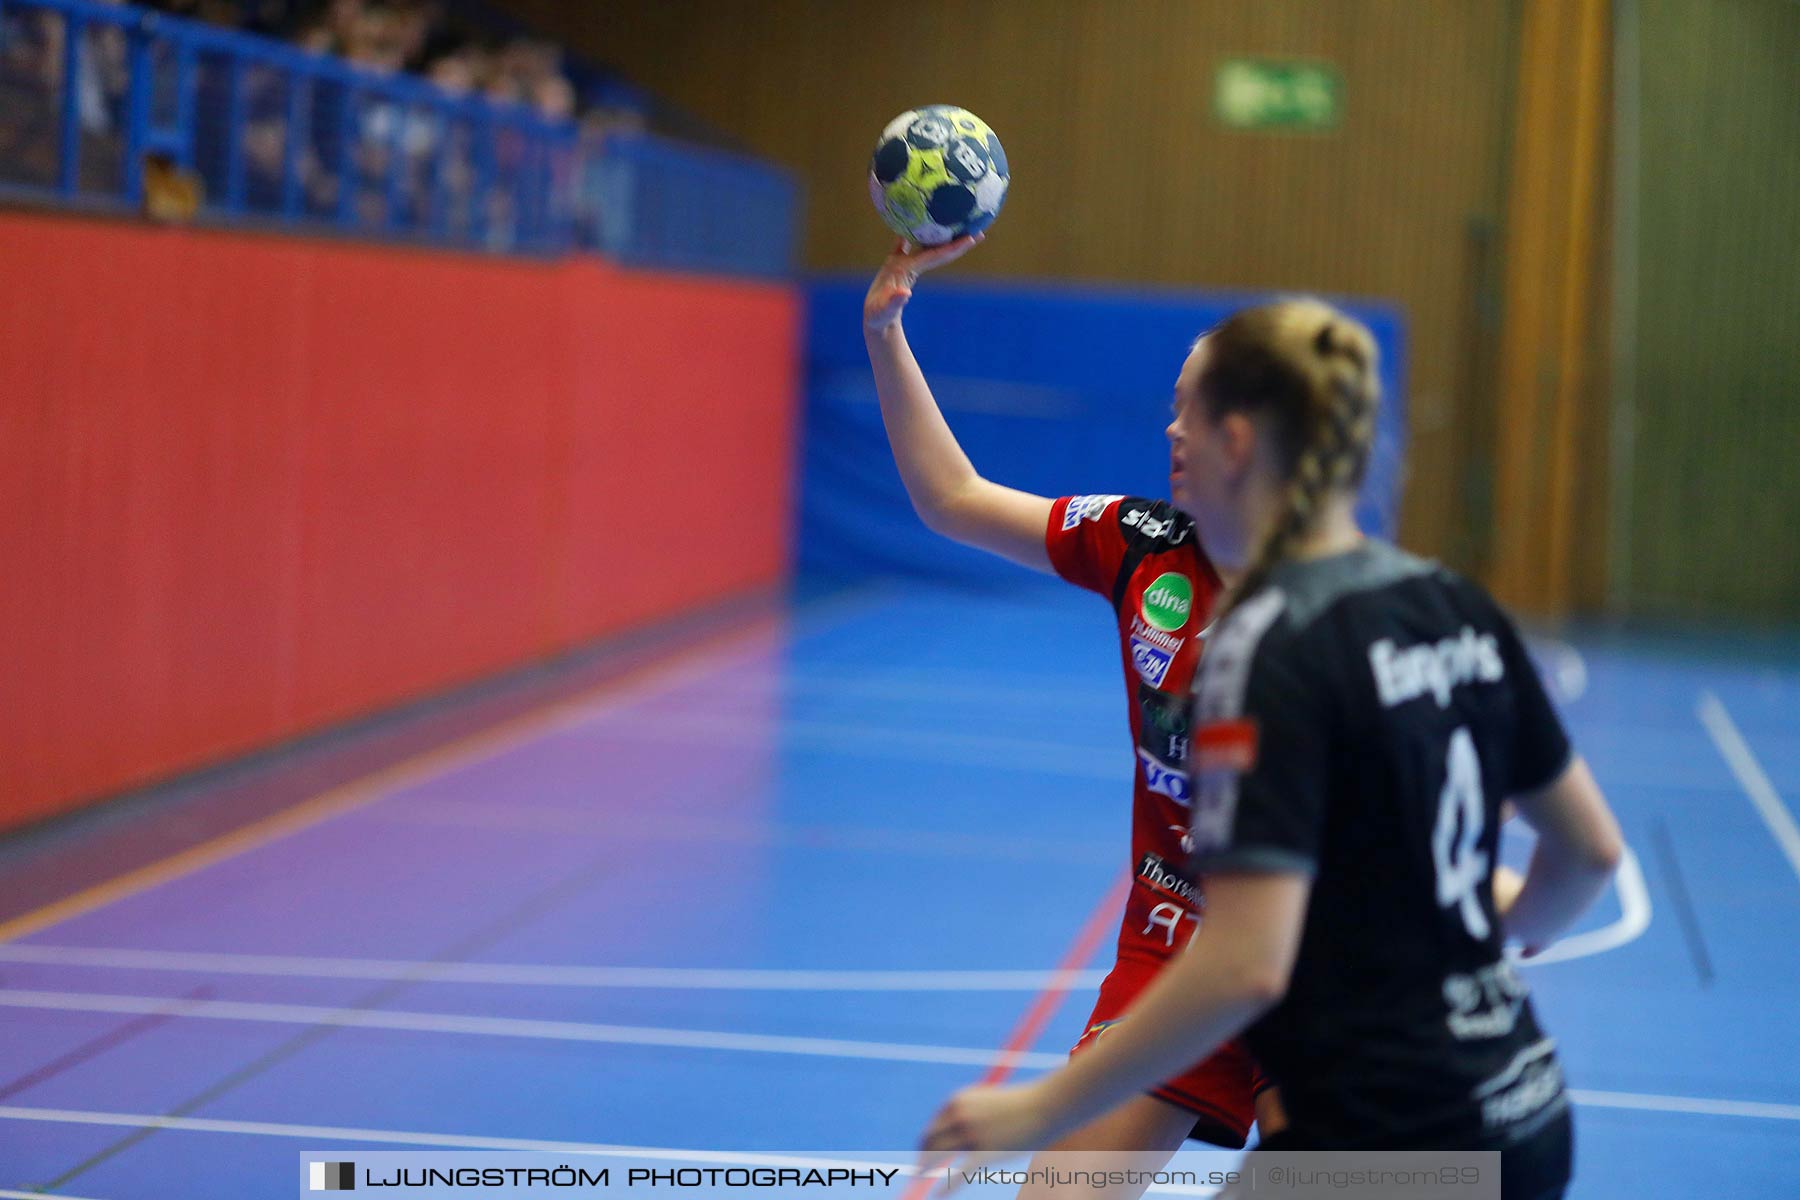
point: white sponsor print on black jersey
(1435, 667)
(1531, 1085)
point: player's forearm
(1559, 886)
(932, 464)
(1198, 1002)
(1578, 849)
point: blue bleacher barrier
(89, 91)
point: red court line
(1100, 922)
(1031, 1023)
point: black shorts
(1538, 1168)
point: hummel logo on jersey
(1438, 668)
(1146, 632)
(1085, 508)
(1152, 662)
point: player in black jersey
(1361, 716)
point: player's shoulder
(1283, 628)
(1250, 638)
(1137, 518)
(1323, 617)
(1155, 521)
(1369, 577)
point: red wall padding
(252, 486)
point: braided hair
(1308, 371)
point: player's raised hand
(983, 1125)
(893, 283)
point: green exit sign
(1263, 93)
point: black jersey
(1361, 719)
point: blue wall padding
(1055, 390)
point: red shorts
(1221, 1091)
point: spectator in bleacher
(453, 72)
(316, 38)
(28, 110)
(102, 69)
(604, 203)
(554, 98)
(415, 22)
(33, 57)
(377, 40)
(385, 37)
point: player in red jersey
(1144, 557)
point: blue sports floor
(787, 886)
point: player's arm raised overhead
(947, 491)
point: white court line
(516, 1027)
(1686, 1105)
(1691, 1105)
(1634, 918)
(543, 975)
(449, 1141)
(1742, 761)
(338, 1134)
(10, 1195)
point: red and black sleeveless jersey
(1143, 556)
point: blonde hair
(1307, 372)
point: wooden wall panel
(1711, 495)
(1120, 173)
(1550, 425)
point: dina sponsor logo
(1169, 601)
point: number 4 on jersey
(1461, 865)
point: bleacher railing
(655, 202)
(93, 96)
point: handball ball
(937, 173)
